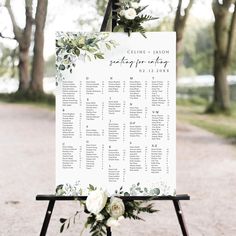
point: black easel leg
(180, 216)
(108, 231)
(114, 13)
(47, 217)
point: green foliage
(137, 189)
(134, 208)
(91, 187)
(7, 61)
(71, 46)
(65, 223)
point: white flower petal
(134, 5)
(130, 14)
(111, 222)
(96, 201)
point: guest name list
(115, 117)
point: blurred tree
(179, 26)
(224, 30)
(198, 47)
(50, 68)
(101, 6)
(204, 46)
(90, 19)
(23, 37)
(164, 24)
(36, 84)
(7, 61)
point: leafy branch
(71, 46)
(67, 222)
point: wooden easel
(110, 10)
(53, 198)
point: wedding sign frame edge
(52, 198)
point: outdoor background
(206, 113)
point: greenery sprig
(71, 46)
(129, 17)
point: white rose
(116, 207)
(130, 14)
(134, 5)
(96, 201)
(122, 12)
(99, 217)
(112, 222)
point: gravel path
(206, 169)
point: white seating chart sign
(116, 113)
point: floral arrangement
(106, 212)
(130, 18)
(71, 46)
(134, 190)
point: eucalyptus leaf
(62, 228)
(63, 220)
(108, 46)
(62, 67)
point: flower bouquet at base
(106, 212)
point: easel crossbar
(180, 197)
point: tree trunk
(221, 87)
(179, 27)
(36, 84)
(179, 49)
(23, 68)
(23, 37)
(224, 28)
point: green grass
(192, 101)
(222, 129)
(193, 112)
(38, 100)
